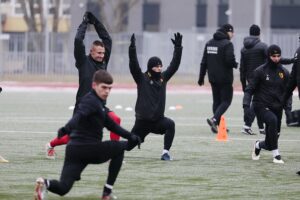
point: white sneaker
(255, 152)
(50, 152)
(278, 160)
(40, 189)
(2, 160)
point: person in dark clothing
(85, 130)
(87, 65)
(151, 95)
(267, 86)
(219, 60)
(254, 54)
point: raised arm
(79, 48)
(103, 35)
(134, 66)
(174, 65)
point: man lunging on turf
(87, 65)
(151, 94)
(85, 130)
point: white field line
(200, 138)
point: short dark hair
(102, 76)
(98, 43)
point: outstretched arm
(134, 66)
(79, 48)
(174, 65)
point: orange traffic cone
(222, 131)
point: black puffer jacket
(267, 86)
(218, 59)
(253, 54)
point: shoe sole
(278, 161)
(247, 133)
(254, 156)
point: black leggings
(164, 126)
(77, 157)
(272, 118)
(222, 97)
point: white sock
(49, 145)
(165, 151)
(275, 153)
(246, 127)
(257, 145)
(109, 186)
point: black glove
(178, 40)
(132, 40)
(201, 81)
(0, 89)
(86, 18)
(294, 59)
(62, 131)
(135, 139)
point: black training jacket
(267, 86)
(151, 93)
(253, 54)
(218, 59)
(84, 63)
(294, 80)
(89, 119)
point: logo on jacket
(212, 50)
(268, 77)
(281, 75)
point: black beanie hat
(152, 62)
(254, 30)
(227, 27)
(274, 49)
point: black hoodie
(253, 54)
(218, 59)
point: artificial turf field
(202, 167)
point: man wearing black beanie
(151, 95)
(218, 61)
(254, 54)
(265, 91)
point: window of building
(151, 16)
(201, 8)
(222, 8)
(285, 14)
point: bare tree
(120, 10)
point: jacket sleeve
(174, 65)
(203, 65)
(79, 48)
(105, 37)
(114, 127)
(242, 71)
(291, 85)
(134, 66)
(250, 89)
(229, 56)
(287, 61)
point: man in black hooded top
(219, 60)
(267, 88)
(151, 95)
(254, 54)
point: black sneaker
(248, 131)
(213, 124)
(298, 172)
(166, 157)
(255, 152)
(277, 159)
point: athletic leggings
(77, 157)
(272, 118)
(164, 126)
(222, 97)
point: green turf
(202, 168)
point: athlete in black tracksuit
(267, 86)
(151, 95)
(86, 146)
(254, 54)
(219, 60)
